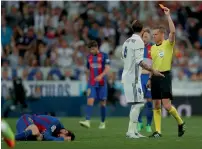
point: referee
(161, 87)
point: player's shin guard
(134, 113)
(88, 111)
(149, 113)
(157, 120)
(103, 113)
(175, 114)
(23, 135)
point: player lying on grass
(41, 127)
(7, 134)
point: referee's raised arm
(161, 87)
(171, 25)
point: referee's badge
(88, 92)
(161, 54)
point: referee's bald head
(136, 26)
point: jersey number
(125, 52)
(53, 128)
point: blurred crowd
(53, 34)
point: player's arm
(171, 25)
(87, 70)
(149, 68)
(106, 70)
(139, 55)
(48, 137)
(107, 65)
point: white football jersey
(132, 55)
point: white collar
(136, 35)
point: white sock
(134, 113)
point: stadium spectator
(105, 46)
(5, 75)
(47, 34)
(14, 57)
(6, 33)
(25, 73)
(64, 55)
(200, 36)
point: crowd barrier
(75, 107)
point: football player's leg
(149, 107)
(166, 100)
(91, 93)
(130, 94)
(157, 115)
(91, 97)
(140, 124)
(149, 111)
(149, 114)
(102, 93)
(144, 88)
(26, 128)
(172, 110)
(156, 97)
(7, 134)
(134, 113)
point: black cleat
(181, 130)
(155, 135)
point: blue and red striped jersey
(147, 53)
(44, 123)
(96, 65)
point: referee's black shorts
(161, 87)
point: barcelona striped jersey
(147, 53)
(96, 65)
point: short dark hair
(71, 134)
(92, 43)
(136, 26)
(146, 30)
(161, 29)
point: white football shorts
(133, 92)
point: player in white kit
(132, 56)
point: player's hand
(98, 78)
(157, 73)
(39, 137)
(166, 11)
(149, 84)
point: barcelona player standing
(98, 67)
(146, 37)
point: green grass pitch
(113, 137)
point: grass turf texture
(113, 137)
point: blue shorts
(144, 80)
(98, 93)
(23, 122)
